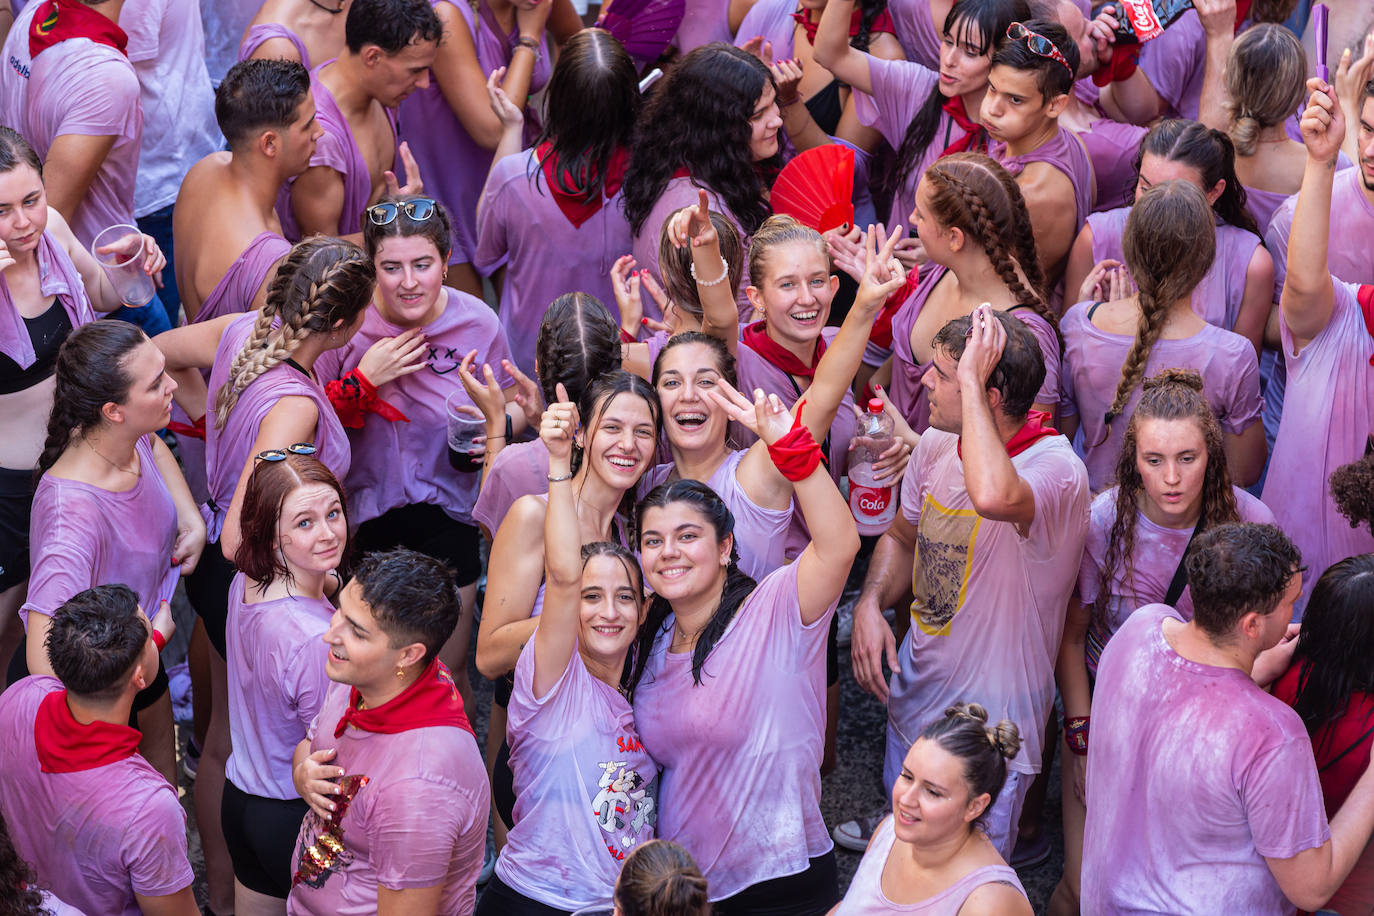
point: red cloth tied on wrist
(64, 745)
(882, 325)
(974, 139)
(796, 455)
(159, 640)
(431, 701)
(193, 430)
(627, 337)
(58, 20)
(1125, 60)
(353, 396)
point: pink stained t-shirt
(1329, 421)
(81, 536)
(520, 469)
(767, 674)
(96, 836)
(865, 896)
(585, 789)
(900, 89)
(703, 22)
(420, 821)
(1065, 153)
(263, 32)
(57, 276)
(1195, 775)
(381, 447)
(772, 21)
(1112, 148)
(277, 683)
(1155, 556)
(1217, 299)
(1093, 359)
(227, 450)
(917, 31)
(1349, 255)
(989, 608)
(1173, 63)
(679, 193)
(521, 227)
(239, 286)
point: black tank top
(47, 332)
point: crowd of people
(437, 332)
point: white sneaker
(854, 835)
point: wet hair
(95, 639)
(578, 341)
(660, 878)
(675, 264)
(988, 20)
(412, 596)
(1211, 153)
(438, 228)
(258, 95)
(1352, 488)
(21, 897)
(737, 586)
(391, 25)
(597, 396)
(258, 555)
(319, 283)
(1173, 394)
(593, 103)
(1238, 568)
(1020, 371)
(725, 361)
(983, 749)
(1051, 77)
(775, 232)
(973, 193)
(621, 554)
(91, 372)
(1335, 643)
(1266, 81)
(16, 151)
(698, 118)
(1168, 245)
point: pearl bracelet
(724, 272)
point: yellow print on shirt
(944, 558)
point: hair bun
(1188, 378)
(971, 711)
(1006, 737)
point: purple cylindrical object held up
(1319, 16)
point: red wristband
(627, 337)
(1076, 735)
(159, 640)
(353, 396)
(796, 454)
(1125, 60)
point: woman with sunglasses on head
(111, 505)
(295, 535)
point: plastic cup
(119, 251)
(465, 424)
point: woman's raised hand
(558, 428)
(1108, 281)
(787, 74)
(486, 393)
(693, 224)
(414, 183)
(528, 397)
(883, 273)
(392, 357)
(507, 112)
(847, 251)
(766, 417)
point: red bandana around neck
(1032, 432)
(881, 23)
(578, 208)
(973, 133)
(64, 745)
(756, 338)
(432, 700)
(58, 20)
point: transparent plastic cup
(465, 424)
(119, 251)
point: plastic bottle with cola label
(1141, 20)
(874, 504)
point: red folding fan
(644, 27)
(817, 188)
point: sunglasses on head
(1038, 44)
(419, 209)
(279, 454)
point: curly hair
(1352, 487)
(1210, 152)
(1173, 394)
(1237, 569)
(699, 119)
(321, 282)
(21, 897)
(89, 374)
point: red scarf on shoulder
(1032, 432)
(881, 23)
(432, 700)
(578, 208)
(55, 21)
(64, 745)
(973, 133)
(756, 338)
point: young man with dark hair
(390, 45)
(405, 830)
(1202, 792)
(998, 505)
(96, 821)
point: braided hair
(322, 281)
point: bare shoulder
(1045, 182)
(996, 899)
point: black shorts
(810, 893)
(429, 530)
(208, 591)
(500, 899)
(261, 836)
(19, 669)
(503, 785)
(832, 652)
(16, 504)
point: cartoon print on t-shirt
(441, 359)
(624, 807)
(944, 558)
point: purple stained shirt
(1063, 152)
(227, 450)
(679, 193)
(742, 791)
(1349, 256)
(900, 89)
(1093, 359)
(1173, 63)
(1217, 299)
(703, 22)
(520, 469)
(522, 228)
(772, 21)
(1112, 148)
(260, 34)
(1330, 378)
(917, 31)
(865, 896)
(96, 836)
(277, 684)
(1195, 775)
(989, 608)
(421, 446)
(81, 536)
(57, 276)
(1156, 555)
(453, 164)
(336, 149)
(586, 791)
(239, 286)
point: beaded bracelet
(724, 272)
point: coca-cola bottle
(872, 503)
(1140, 20)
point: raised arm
(833, 51)
(1218, 18)
(720, 314)
(555, 640)
(513, 574)
(1308, 295)
(292, 419)
(98, 287)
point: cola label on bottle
(1141, 20)
(869, 502)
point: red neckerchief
(973, 133)
(578, 208)
(881, 23)
(432, 700)
(57, 20)
(64, 745)
(756, 338)
(1032, 432)
(1365, 296)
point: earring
(400, 672)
